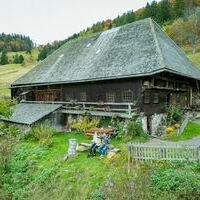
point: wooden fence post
(198, 153)
(129, 156)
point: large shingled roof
(137, 49)
(26, 113)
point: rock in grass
(65, 157)
(82, 148)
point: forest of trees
(15, 43)
(165, 13)
(4, 60)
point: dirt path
(193, 141)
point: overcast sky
(48, 20)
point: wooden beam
(152, 81)
(191, 96)
(197, 83)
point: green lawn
(192, 130)
(40, 173)
(34, 166)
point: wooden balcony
(122, 110)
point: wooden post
(190, 96)
(197, 83)
(152, 82)
(72, 147)
(129, 156)
(129, 109)
(198, 153)
(83, 106)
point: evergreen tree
(178, 9)
(4, 58)
(43, 54)
(110, 26)
(21, 59)
(28, 51)
(130, 17)
(16, 59)
(150, 11)
(164, 12)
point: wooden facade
(151, 93)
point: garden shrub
(186, 185)
(174, 115)
(5, 109)
(85, 123)
(13, 130)
(46, 142)
(20, 179)
(104, 121)
(2, 128)
(7, 145)
(134, 185)
(43, 134)
(96, 195)
(134, 129)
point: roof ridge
(156, 42)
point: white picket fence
(169, 153)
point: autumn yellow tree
(186, 30)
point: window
(82, 96)
(159, 83)
(128, 96)
(171, 84)
(146, 97)
(69, 97)
(156, 98)
(110, 97)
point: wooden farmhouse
(135, 69)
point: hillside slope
(10, 72)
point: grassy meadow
(10, 72)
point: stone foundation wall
(63, 122)
(156, 122)
(196, 99)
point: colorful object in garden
(170, 130)
(177, 126)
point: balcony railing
(119, 108)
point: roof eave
(90, 80)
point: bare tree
(192, 16)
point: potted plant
(101, 102)
(91, 108)
(78, 107)
(107, 109)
